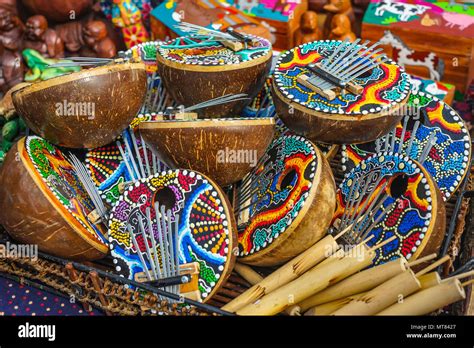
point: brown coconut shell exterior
(117, 91)
(196, 145)
(29, 216)
(192, 84)
(436, 233)
(335, 128)
(310, 225)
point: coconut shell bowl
(223, 149)
(369, 108)
(42, 202)
(85, 109)
(195, 69)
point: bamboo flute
(309, 283)
(285, 274)
(384, 295)
(330, 307)
(248, 273)
(357, 283)
(429, 279)
(428, 300)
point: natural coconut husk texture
(192, 84)
(114, 93)
(29, 215)
(335, 128)
(210, 146)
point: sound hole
(165, 197)
(287, 179)
(399, 185)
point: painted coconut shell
(414, 206)
(59, 10)
(207, 231)
(195, 70)
(86, 109)
(43, 202)
(291, 205)
(223, 149)
(348, 118)
(449, 158)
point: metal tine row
(217, 101)
(390, 141)
(163, 243)
(137, 162)
(91, 188)
(81, 61)
(197, 29)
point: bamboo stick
(314, 280)
(248, 273)
(357, 283)
(469, 282)
(285, 274)
(429, 279)
(422, 260)
(459, 276)
(428, 300)
(384, 295)
(433, 265)
(330, 307)
(339, 254)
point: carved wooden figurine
(308, 30)
(95, 37)
(11, 27)
(337, 7)
(341, 28)
(127, 16)
(43, 39)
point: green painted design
(38, 66)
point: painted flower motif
(134, 35)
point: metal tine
(383, 59)
(137, 152)
(134, 241)
(145, 154)
(165, 239)
(374, 205)
(170, 241)
(402, 136)
(344, 56)
(153, 242)
(429, 145)
(350, 202)
(89, 59)
(412, 138)
(193, 28)
(125, 159)
(158, 218)
(361, 69)
(366, 59)
(334, 53)
(377, 220)
(247, 194)
(219, 100)
(176, 246)
(350, 59)
(394, 136)
(247, 181)
(363, 210)
(89, 185)
(147, 247)
(386, 143)
(359, 200)
(357, 231)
